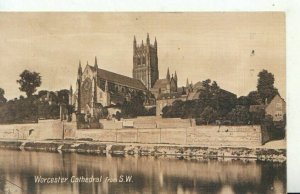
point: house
(276, 108)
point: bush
(19, 111)
(200, 121)
(239, 115)
(275, 129)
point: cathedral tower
(145, 62)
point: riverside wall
(199, 135)
(44, 129)
(165, 131)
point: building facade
(165, 86)
(276, 108)
(167, 99)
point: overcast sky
(197, 45)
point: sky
(198, 46)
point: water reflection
(150, 175)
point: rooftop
(120, 79)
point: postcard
(143, 102)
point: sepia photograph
(143, 102)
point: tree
(29, 81)
(19, 111)
(166, 111)
(2, 98)
(63, 96)
(210, 95)
(134, 107)
(254, 98)
(206, 94)
(209, 114)
(257, 116)
(243, 101)
(151, 111)
(239, 115)
(42, 93)
(265, 85)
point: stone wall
(195, 135)
(148, 122)
(44, 129)
(199, 135)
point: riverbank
(261, 153)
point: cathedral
(97, 88)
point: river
(24, 172)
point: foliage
(209, 115)
(265, 85)
(29, 81)
(49, 103)
(279, 129)
(150, 112)
(48, 111)
(257, 117)
(134, 107)
(200, 121)
(118, 115)
(239, 115)
(183, 109)
(205, 95)
(100, 112)
(19, 111)
(254, 98)
(2, 98)
(211, 95)
(29, 109)
(63, 96)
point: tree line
(44, 104)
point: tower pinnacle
(96, 64)
(168, 74)
(134, 43)
(148, 39)
(79, 69)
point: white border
(291, 8)
(145, 5)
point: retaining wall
(148, 122)
(200, 135)
(44, 129)
(197, 135)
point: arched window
(138, 61)
(144, 60)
